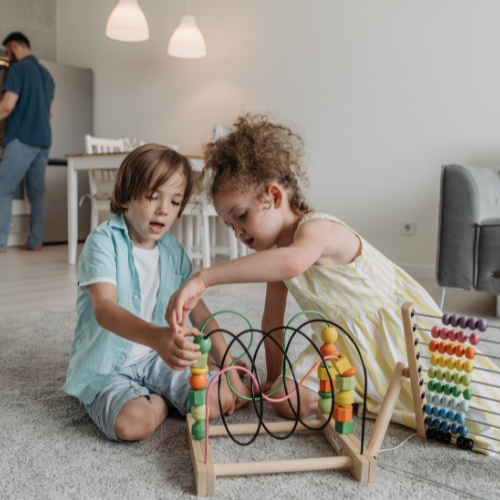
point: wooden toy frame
(363, 467)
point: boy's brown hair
(144, 170)
(256, 153)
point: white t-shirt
(147, 263)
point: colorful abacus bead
(342, 414)
(342, 364)
(329, 335)
(474, 339)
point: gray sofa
(469, 230)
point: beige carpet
(49, 448)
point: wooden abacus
(440, 420)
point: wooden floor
(44, 280)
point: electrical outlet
(408, 228)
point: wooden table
(95, 162)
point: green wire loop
(251, 342)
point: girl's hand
(178, 352)
(183, 301)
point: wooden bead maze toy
(440, 413)
(334, 416)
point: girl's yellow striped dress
(365, 298)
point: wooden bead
(325, 405)
(432, 372)
(450, 349)
(450, 363)
(345, 383)
(344, 398)
(199, 413)
(435, 359)
(198, 371)
(323, 373)
(342, 364)
(442, 347)
(329, 335)
(466, 380)
(344, 427)
(440, 374)
(204, 342)
(198, 382)
(202, 361)
(470, 352)
(198, 430)
(326, 386)
(341, 414)
(456, 393)
(448, 376)
(457, 378)
(459, 366)
(197, 398)
(443, 360)
(435, 332)
(351, 372)
(443, 333)
(328, 350)
(459, 351)
(433, 345)
(452, 335)
(325, 395)
(469, 366)
(474, 339)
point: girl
(253, 176)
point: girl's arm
(276, 264)
(274, 312)
(178, 352)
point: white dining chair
(101, 182)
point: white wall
(384, 91)
(36, 19)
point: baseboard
(418, 271)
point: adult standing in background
(27, 105)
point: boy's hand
(178, 352)
(183, 301)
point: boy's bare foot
(30, 247)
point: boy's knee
(135, 424)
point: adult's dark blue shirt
(29, 121)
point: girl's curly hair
(252, 156)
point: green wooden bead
(325, 405)
(344, 427)
(328, 363)
(431, 385)
(457, 378)
(440, 374)
(468, 394)
(439, 387)
(204, 342)
(197, 398)
(345, 383)
(431, 372)
(447, 389)
(199, 413)
(456, 391)
(325, 395)
(198, 430)
(202, 361)
(448, 376)
(466, 380)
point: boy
(126, 364)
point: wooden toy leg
(388, 405)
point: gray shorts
(149, 376)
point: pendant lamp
(187, 41)
(127, 22)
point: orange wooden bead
(470, 352)
(349, 373)
(198, 382)
(325, 386)
(450, 349)
(433, 345)
(342, 414)
(459, 351)
(328, 350)
(442, 347)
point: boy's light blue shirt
(97, 355)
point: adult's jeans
(21, 160)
